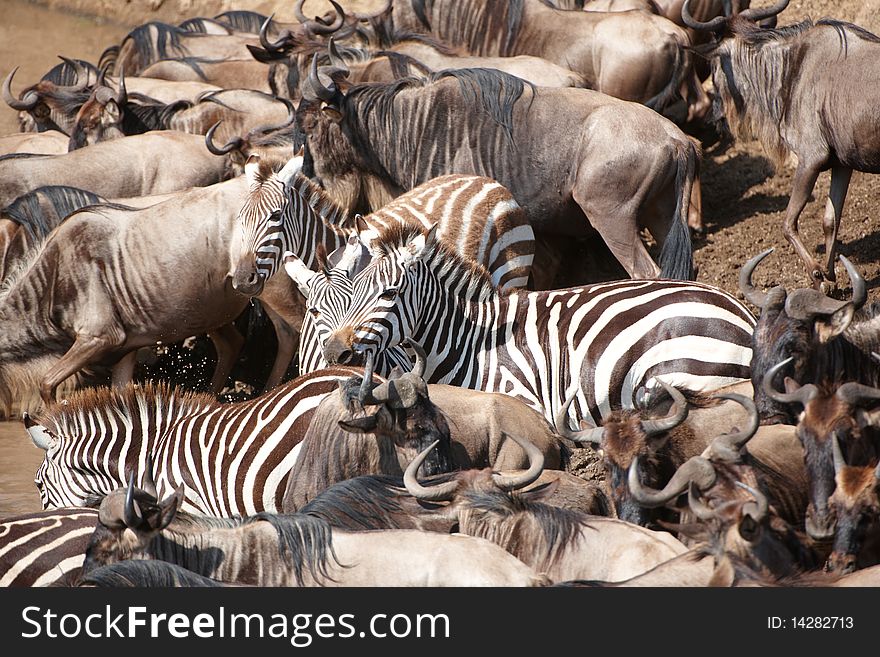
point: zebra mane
(130, 402)
(28, 212)
(319, 201)
(439, 257)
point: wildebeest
(824, 339)
(293, 550)
(803, 89)
(562, 543)
(51, 142)
(482, 122)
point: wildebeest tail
(672, 91)
(677, 254)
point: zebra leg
(228, 343)
(85, 350)
(123, 371)
(288, 343)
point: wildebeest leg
(840, 177)
(288, 343)
(123, 371)
(228, 343)
(804, 181)
(86, 349)
(698, 102)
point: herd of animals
(395, 189)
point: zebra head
(262, 233)
(387, 297)
(328, 294)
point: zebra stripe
(602, 341)
(234, 458)
(45, 548)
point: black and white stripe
(603, 341)
(234, 458)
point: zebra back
(45, 548)
(234, 458)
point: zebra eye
(315, 312)
(389, 294)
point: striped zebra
(45, 548)
(286, 213)
(599, 342)
(234, 458)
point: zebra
(598, 343)
(288, 218)
(234, 458)
(46, 548)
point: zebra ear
(299, 273)
(42, 437)
(294, 166)
(252, 171)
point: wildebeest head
(100, 117)
(830, 412)
(49, 105)
(797, 326)
(128, 520)
(625, 437)
(856, 505)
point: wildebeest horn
(677, 414)
(750, 292)
(855, 393)
(727, 446)
(768, 12)
(536, 467)
(335, 56)
(264, 38)
(82, 75)
(366, 17)
(131, 514)
(802, 395)
(807, 303)
(149, 479)
(365, 396)
(592, 435)
(289, 121)
(227, 148)
(837, 453)
(696, 469)
(318, 89)
(317, 27)
(694, 24)
(27, 103)
(757, 509)
(121, 94)
(421, 358)
(697, 505)
(441, 493)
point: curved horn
(860, 288)
(121, 94)
(298, 12)
(149, 479)
(749, 291)
(536, 467)
(441, 493)
(697, 505)
(421, 358)
(694, 24)
(365, 395)
(696, 469)
(320, 91)
(678, 413)
(289, 121)
(335, 56)
(768, 12)
(264, 38)
(839, 461)
(29, 101)
(855, 393)
(209, 142)
(726, 447)
(132, 514)
(592, 435)
(366, 17)
(801, 396)
(82, 75)
(757, 509)
(317, 27)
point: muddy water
(32, 37)
(19, 460)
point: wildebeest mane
(28, 212)
(166, 45)
(198, 25)
(149, 114)
(138, 574)
(65, 75)
(303, 541)
(360, 503)
(475, 21)
(244, 21)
